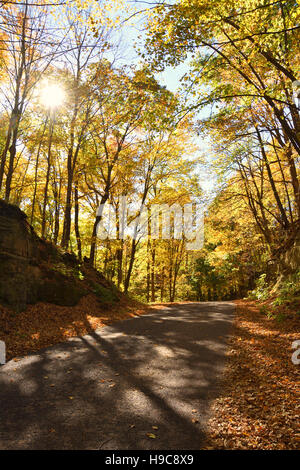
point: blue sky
(170, 78)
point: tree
(244, 64)
(28, 54)
(84, 48)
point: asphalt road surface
(109, 389)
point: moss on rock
(32, 269)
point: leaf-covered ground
(44, 324)
(259, 406)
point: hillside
(47, 295)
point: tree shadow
(108, 389)
(44, 324)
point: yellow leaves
(151, 435)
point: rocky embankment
(33, 270)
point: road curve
(109, 389)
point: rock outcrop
(32, 269)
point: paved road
(107, 390)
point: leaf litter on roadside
(258, 407)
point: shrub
(261, 291)
(288, 289)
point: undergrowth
(284, 293)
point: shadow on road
(108, 389)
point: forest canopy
(80, 127)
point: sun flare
(52, 96)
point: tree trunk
(95, 229)
(47, 182)
(148, 271)
(12, 152)
(130, 267)
(36, 172)
(76, 221)
(5, 150)
(67, 219)
(153, 257)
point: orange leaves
(258, 407)
(43, 325)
